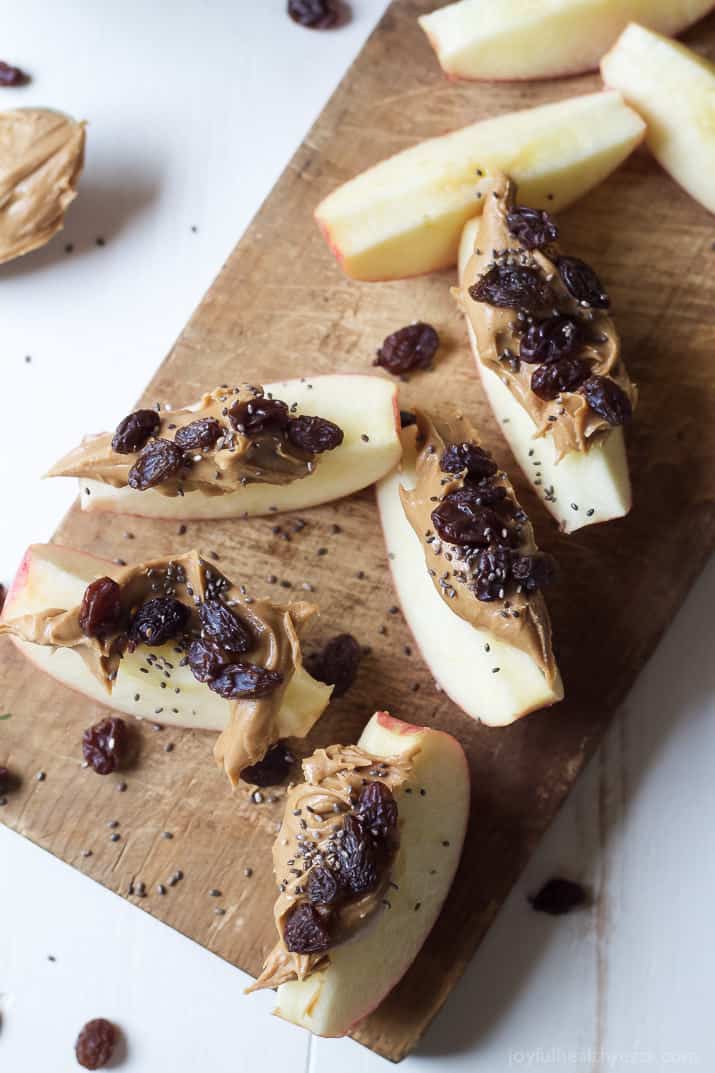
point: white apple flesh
(673, 89)
(52, 576)
(405, 216)
(461, 656)
(584, 487)
(363, 406)
(432, 828)
(519, 39)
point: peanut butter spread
(41, 158)
(274, 630)
(568, 418)
(512, 613)
(310, 838)
(234, 460)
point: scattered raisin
(158, 621)
(158, 461)
(315, 14)
(12, 76)
(304, 931)
(559, 896)
(533, 228)
(548, 340)
(467, 456)
(132, 433)
(222, 626)
(377, 809)
(461, 520)
(314, 434)
(566, 374)
(104, 745)
(101, 607)
(357, 858)
(324, 887)
(533, 572)
(200, 435)
(206, 660)
(607, 399)
(407, 418)
(95, 1044)
(272, 769)
(410, 348)
(513, 287)
(259, 415)
(582, 283)
(245, 680)
(337, 665)
(493, 573)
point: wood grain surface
(280, 308)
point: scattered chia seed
(169, 747)
(214, 893)
(248, 872)
(335, 529)
(112, 824)
(40, 776)
(394, 610)
(100, 241)
(181, 530)
(115, 837)
(160, 888)
(219, 911)
(166, 834)
(322, 551)
(86, 852)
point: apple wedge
(54, 577)
(432, 826)
(364, 407)
(582, 488)
(673, 89)
(405, 216)
(461, 656)
(519, 39)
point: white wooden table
(194, 108)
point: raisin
(582, 283)
(407, 418)
(493, 573)
(324, 887)
(95, 1044)
(467, 456)
(222, 626)
(533, 228)
(461, 520)
(548, 340)
(337, 665)
(513, 287)
(607, 399)
(245, 680)
(158, 461)
(357, 858)
(315, 14)
(566, 374)
(314, 434)
(559, 896)
(158, 621)
(410, 348)
(200, 435)
(304, 930)
(101, 607)
(259, 415)
(533, 572)
(12, 76)
(487, 494)
(132, 433)
(206, 660)
(272, 769)
(104, 745)
(377, 809)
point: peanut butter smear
(518, 618)
(568, 419)
(314, 814)
(234, 461)
(41, 158)
(275, 628)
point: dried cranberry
(460, 519)
(206, 660)
(377, 809)
(314, 434)
(548, 340)
(513, 287)
(245, 680)
(582, 283)
(493, 573)
(323, 887)
(534, 228)
(304, 930)
(101, 607)
(12, 76)
(259, 415)
(104, 745)
(200, 435)
(358, 864)
(337, 665)
(158, 621)
(133, 432)
(272, 769)
(410, 348)
(607, 399)
(407, 418)
(159, 460)
(566, 374)
(95, 1044)
(222, 626)
(467, 456)
(533, 572)
(559, 896)
(315, 14)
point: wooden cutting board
(279, 308)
